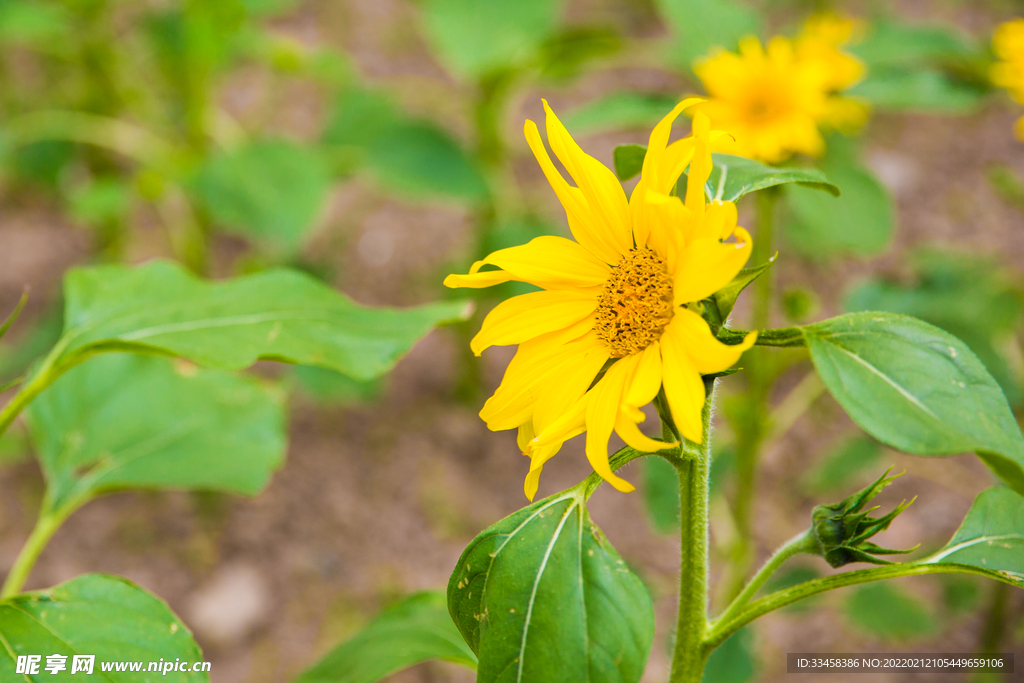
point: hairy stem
(689, 654)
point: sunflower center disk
(636, 303)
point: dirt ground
(379, 500)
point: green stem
(46, 525)
(689, 654)
(720, 629)
(91, 129)
(803, 543)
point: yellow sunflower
(621, 295)
(1008, 72)
(774, 100)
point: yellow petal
(526, 316)
(538, 457)
(706, 265)
(665, 220)
(646, 378)
(700, 165)
(719, 221)
(659, 164)
(610, 223)
(632, 435)
(577, 210)
(684, 388)
(690, 332)
(602, 413)
(477, 280)
(536, 362)
(566, 386)
(550, 262)
(569, 424)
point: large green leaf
(270, 190)
(861, 221)
(474, 37)
(129, 421)
(542, 596)
(101, 615)
(698, 26)
(991, 536)
(917, 388)
(619, 110)
(920, 89)
(417, 629)
(278, 315)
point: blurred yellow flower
(615, 299)
(1008, 43)
(773, 101)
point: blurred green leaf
(842, 465)
(793, 576)
(800, 303)
(734, 661)
(968, 296)
(127, 421)
(916, 388)
(620, 110)
(960, 594)
(101, 200)
(360, 115)
(277, 315)
(17, 355)
(419, 159)
(733, 177)
(1007, 185)
(41, 162)
(897, 43)
(860, 221)
(32, 22)
(417, 629)
(921, 89)
(331, 387)
(882, 609)
(990, 537)
(698, 26)
(269, 190)
(661, 494)
(565, 54)
(629, 161)
(561, 604)
(475, 37)
(722, 467)
(101, 615)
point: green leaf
(734, 661)
(661, 494)
(102, 200)
(726, 297)
(921, 89)
(629, 161)
(861, 221)
(33, 22)
(969, 297)
(105, 616)
(126, 421)
(565, 54)
(990, 537)
(697, 26)
(896, 43)
(620, 110)
(882, 609)
(360, 116)
(417, 629)
(916, 388)
(333, 388)
(842, 465)
(474, 37)
(270, 190)
(279, 314)
(542, 596)
(419, 159)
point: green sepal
(842, 529)
(629, 160)
(726, 297)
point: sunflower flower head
(1008, 71)
(611, 325)
(773, 99)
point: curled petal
(706, 265)
(690, 332)
(526, 316)
(683, 388)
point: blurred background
(378, 146)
